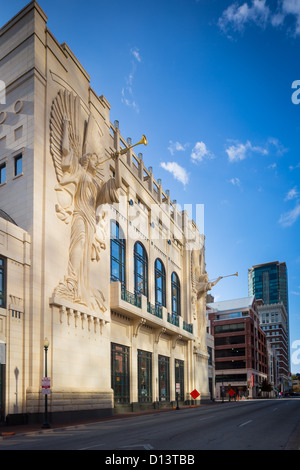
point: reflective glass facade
(269, 283)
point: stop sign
(231, 392)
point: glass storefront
(179, 378)
(164, 378)
(144, 376)
(120, 373)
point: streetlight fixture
(46, 425)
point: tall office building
(269, 283)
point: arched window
(175, 292)
(117, 253)
(140, 270)
(160, 283)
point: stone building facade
(96, 257)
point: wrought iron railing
(2, 298)
(187, 327)
(155, 310)
(133, 299)
(173, 319)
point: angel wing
(65, 106)
(93, 142)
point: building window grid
(179, 377)
(120, 373)
(164, 378)
(117, 254)
(144, 376)
(160, 283)
(140, 270)
(175, 293)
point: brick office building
(240, 347)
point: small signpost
(195, 394)
(177, 394)
(45, 385)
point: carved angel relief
(76, 147)
(200, 286)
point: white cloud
(238, 15)
(241, 151)
(200, 151)
(290, 217)
(274, 143)
(179, 173)
(292, 194)
(235, 181)
(176, 147)
(294, 167)
(292, 7)
(295, 293)
(127, 91)
(136, 53)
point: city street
(245, 425)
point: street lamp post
(46, 424)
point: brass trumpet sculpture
(142, 141)
(228, 275)
(235, 274)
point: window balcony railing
(154, 310)
(132, 299)
(187, 327)
(173, 319)
(2, 298)
(136, 307)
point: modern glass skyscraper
(269, 282)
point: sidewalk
(10, 431)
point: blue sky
(210, 83)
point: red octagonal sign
(195, 394)
(231, 392)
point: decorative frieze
(80, 319)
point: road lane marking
(246, 422)
(145, 446)
(90, 447)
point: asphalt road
(245, 425)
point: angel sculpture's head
(89, 162)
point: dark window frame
(120, 372)
(2, 167)
(144, 359)
(160, 290)
(140, 279)
(175, 294)
(17, 158)
(117, 239)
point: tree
(266, 386)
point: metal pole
(46, 425)
(177, 398)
